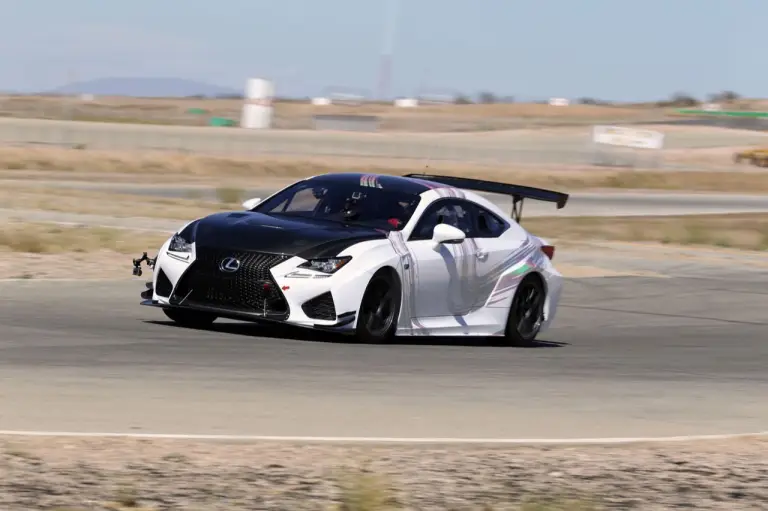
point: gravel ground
(85, 474)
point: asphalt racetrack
(503, 146)
(683, 354)
(579, 204)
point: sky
(616, 50)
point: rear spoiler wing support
(517, 208)
(518, 192)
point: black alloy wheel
(526, 312)
(379, 310)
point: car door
(494, 252)
(444, 276)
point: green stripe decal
(525, 267)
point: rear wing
(517, 192)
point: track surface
(629, 356)
(580, 204)
(520, 146)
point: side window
(451, 212)
(488, 225)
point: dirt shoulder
(747, 231)
(587, 247)
(87, 474)
(292, 113)
(162, 167)
(61, 252)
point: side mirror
(445, 233)
(251, 203)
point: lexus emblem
(229, 265)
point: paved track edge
(390, 440)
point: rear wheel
(193, 319)
(379, 309)
(526, 312)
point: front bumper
(307, 299)
(342, 322)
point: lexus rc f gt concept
(374, 256)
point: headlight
(328, 265)
(179, 244)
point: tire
(526, 312)
(379, 309)
(193, 319)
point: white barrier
(257, 110)
(618, 146)
(628, 137)
(406, 102)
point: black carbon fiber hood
(306, 238)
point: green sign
(220, 121)
(724, 113)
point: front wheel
(379, 310)
(187, 318)
(526, 312)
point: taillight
(549, 250)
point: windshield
(346, 201)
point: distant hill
(145, 87)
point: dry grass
(170, 167)
(173, 110)
(532, 110)
(740, 231)
(82, 472)
(556, 504)
(229, 195)
(110, 204)
(715, 181)
(42, 238)
(367, 491)
(151, 163)
(747, 231)
(56, 251)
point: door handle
(481, 255)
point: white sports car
(369, 255)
